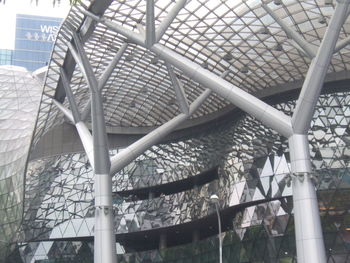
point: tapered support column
(104, 236)
(308, 230)
(105, 251)
(104, 246)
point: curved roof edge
(54, 143)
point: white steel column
(162, 240)
(104, 242)
(308, 229)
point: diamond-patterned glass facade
(254, 176)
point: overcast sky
(9, 10)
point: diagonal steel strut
(126, 156)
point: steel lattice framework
(238, 37)
(156, 65)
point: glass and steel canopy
(236, 38)
(241, 50)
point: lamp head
(214, 198)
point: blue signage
(35, 36)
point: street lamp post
(215, 200)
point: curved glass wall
(253, 171)
(19, 103)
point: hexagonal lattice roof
(236, 37)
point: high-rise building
(35, 36)
(182, 131)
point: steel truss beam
(70, 97)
